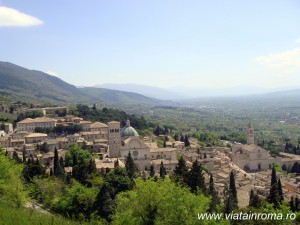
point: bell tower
(250, 134)
(114, 139)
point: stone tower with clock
(250, 134)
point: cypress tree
(231, 201)
(274, 197)
(104, 203)
(181, 137)
(61, 162)
(152, 171)
(254, 200)
(280, 191)
(186, 141)
(51, 172)
(180, 170)
(297, 204)
(292, 204)
(24, 154)
(232, 187)
(15, 157)
(130, 166)
(74, 159)
(214, 194)
(195, 178)
(162, 170)
(57, 171)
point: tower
(114, 139)
(250, 134)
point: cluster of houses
(109, 143)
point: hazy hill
(149, 91)
(120, 96)
(31, 84)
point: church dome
(128, 131)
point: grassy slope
(23, 216)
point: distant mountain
(120, 96)
(149, 91)
(218, 92)
(294, 93)
(23, 83)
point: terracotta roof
(36, 135)
(98, 125)
(38, 120)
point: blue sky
(158, 42)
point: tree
(231, 201)
(31, 169)
(115, 182)
(165, 144)
(16, 157)
(186, 141)
(254, 200)
(57, 171)
(152, 171)
(176, 137)
(274, 196)
(181, 137)
(280, 191)
(130, 166)
(80, 172)
(61, 162)
(11, 186)
(195, 178)
(180, 170)
(24, 154)
(297, 204)
(161, 202)
(44, 147)
(215, 200)
(292, 204)
(162, 170)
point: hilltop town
(110, 144)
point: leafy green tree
(161, 202)
(115, 182)
(31, 169)
(77, 201)
(11, 186)
(130, 166)
(75, 153)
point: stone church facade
(251, 157)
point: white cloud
(52, 73)
(10, 17)
(286, 59)
(286, 64)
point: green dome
(128, 131)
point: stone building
(251, 157)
